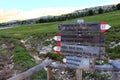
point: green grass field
(112, 18)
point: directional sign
(82, 63)
(57, 49)
(57, 37)
(82, 50)
(84, 27)
(104, 26)
(83, 38)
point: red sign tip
(102, 22)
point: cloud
(35, 13)
(8, 15)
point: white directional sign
(82, 63)
(57, 38)
(104, 26)
(82, 50)
(57, 49)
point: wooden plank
(31, 71)
(116, 64)
(78, 74)
(97, 67)
(83, 27)
(84, 38)
(82, 50)
(104, 68)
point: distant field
(112, 18)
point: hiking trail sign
(85, 39)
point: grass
(112, 18)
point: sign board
(84, 27)
(81, 63)
(83, 38)
(82, 50)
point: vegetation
(100, 11)
(118, 6)
(54, 56)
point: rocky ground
(6, 63)
(8, 68)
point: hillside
(48, 30)
(111, 18)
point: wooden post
(49, 74)
(78, 74)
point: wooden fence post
(78, 74)
(49, 74)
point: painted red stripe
(59, 43)
(58, 52)
(102, 22)
(65, 63)
(58, 34)
(103, 31)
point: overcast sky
(37, 4)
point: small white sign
(83, 63)
(57, 38)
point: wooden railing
(113, 66)
(31, 71)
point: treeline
(81, 13)
(75, 14)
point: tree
(118, 6)
(100, 11)
(90, 13)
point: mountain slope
(43, 29)
(112, 18)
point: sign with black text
(81, 63)
(78, 50)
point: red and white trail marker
(57, 49)
(64, 60)
(57, 37)
(104, 26)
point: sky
(37, 4)
(11, 10)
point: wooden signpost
(78, 41)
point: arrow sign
(57, 49)
(57, 37)
(95, 51)
(104, 26)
